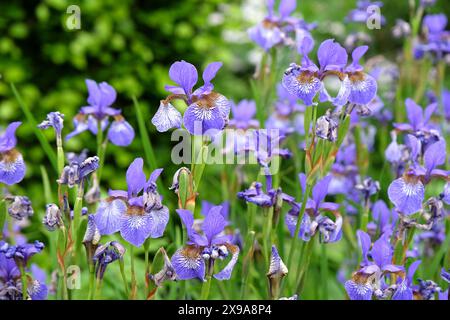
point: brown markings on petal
(268, 24)
(192, 251)
(336, 73)
(306, 77)
(207, 101)
(135, 211)
(10, 156)
(356, 76)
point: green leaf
(32, 121)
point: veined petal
(225, 273)
(12, 167)
(406, 195)
(159, 219)
(135, 226)
(166, 118)
(214, 223)
(188, 263)
(199, 118)
(108, 216)
(303, 84)
(363, 88)
(277, 267)
(358, 291)
(403, 292)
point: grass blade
(32, 121)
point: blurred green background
(131, 45)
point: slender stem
(3, 215)
(124, 277)
(324, 271)
(147, 265)
(207, 283)
(59, 153)
(23, 277)
(295, 239)
(250, 242)
(133, 274)
(77, 216)
(305, 265)
(98, 288)
(91, 283)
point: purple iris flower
(12, 166)
(277, 29)
(189, 261)
(255, 194)
(384, 219)
(306, 80)
(54, 120)
(368, 279)
(21, 253)
(407, 192)
(362, 13)
(101, 97)
(437, 38)
(137, 217)
(313, 220)
(418, 118)
(10, 280)
(405, 284)
(207, 109)
(243, 115)
(106, 254)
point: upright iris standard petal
(8, 138)
(121, 133)
(135, 177)
(208, 74)
(320, 190)
(435, 155)
(225, 273)
(167, 117)
(188, 263)
(184, 74)
(414, 113)
(214, 223)
(364, 243)
(108, 216)
(382, 251)
(287, 7)
(332, 56)
(406, 194)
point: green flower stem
(324, 270)
(23, 277)
(77, 216)
(306, 259)
(246, 265)
(60, 153)
(98, 288)
(124, 277)
(207, 283)
(61, 244)
(91, 281)
(49, 151)
(147, 264)
(295, 239)
(133, 274)
(3, 214)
